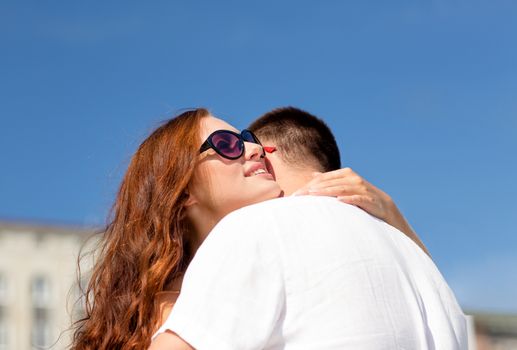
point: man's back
(313, 273)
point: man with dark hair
(303, 139)
(301, 147)
(303, 143)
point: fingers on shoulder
(357, 199)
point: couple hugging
(221, 239)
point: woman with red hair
(185, 177)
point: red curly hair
(145, 245)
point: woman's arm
(351, 188)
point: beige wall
(28, 253)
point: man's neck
(294, 179)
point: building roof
(45, 228)
(496, 323)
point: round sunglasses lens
(249, 137)
(228, 144)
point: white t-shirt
(313, 273)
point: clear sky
(422, 97)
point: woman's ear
(191, 200)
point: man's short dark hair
(301, 138)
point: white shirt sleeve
(233, 291)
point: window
(3, 290)
(4, 344)
(79, 301)
(40, 291)
(40, 330)
(3, 313)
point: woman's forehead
(211, 124)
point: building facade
(38, 288)
(495, 331)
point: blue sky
(422, 97)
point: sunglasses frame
(209, 145)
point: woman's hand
(351, 188)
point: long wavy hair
(145, 244)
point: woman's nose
(254, 151)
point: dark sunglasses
(229, 144)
